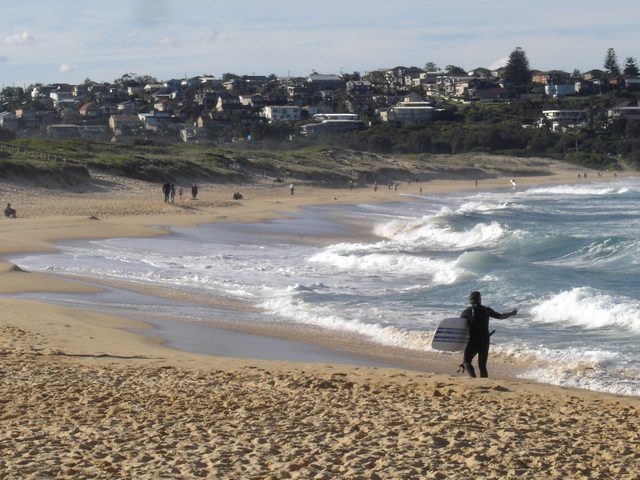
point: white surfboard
(451, 335)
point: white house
(408, 112)
(281, 113)
(561, 90)
(562, 120)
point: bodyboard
(451, 335)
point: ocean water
(568, 257)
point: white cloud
(23, 38)
(169, 42)
(67, 68)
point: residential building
(8, 120)
(331, 126)
(193, 134)
(63, 131)
(560, 90)
(317, 82)
(335, 116)
(632, 83)
(408, 112)
(359, 88)
(125, 123)
(628, 113)
(563, 120)
(228, 102)
(490, 93)
(281, 113)
(551, 77)
(88, 110)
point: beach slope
(83, 397)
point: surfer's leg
(469, 352)
(483, 356)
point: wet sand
(83, 396)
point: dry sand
(81, 397)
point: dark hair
(474, 297)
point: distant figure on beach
(292, 188)
(180, 191)
(166, 189)
(476, 183)
(351, 184)
(237, 196)
(477, 317)
(194, 191)
(514, 183)
(9, 212)
(172, 193)
(375, 186)
(395, 186)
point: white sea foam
(484, 206)
(441, 271)
(597, 370)
(590, 190)
(285, 305)
(589, 308)
(436, 234)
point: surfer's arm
(502, 316)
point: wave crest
(428, 231)
(588, 308)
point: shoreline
(85, 394)
(274, 202)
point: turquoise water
(566, 256)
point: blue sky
(45, 41)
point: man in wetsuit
(477, 317)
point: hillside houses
(206, 108)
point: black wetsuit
(477, 317)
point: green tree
(351, 77)
(455, 70)
(431, 67)
(517, 72)
(611, 62)
(630, 66)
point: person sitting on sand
(10, 212)
(477, 317)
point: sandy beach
(84, 397)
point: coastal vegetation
(218, 129)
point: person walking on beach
(477, 317)
(180, 191)
(166, 189)
(172, 193)
(291, 188)
(194, 191)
